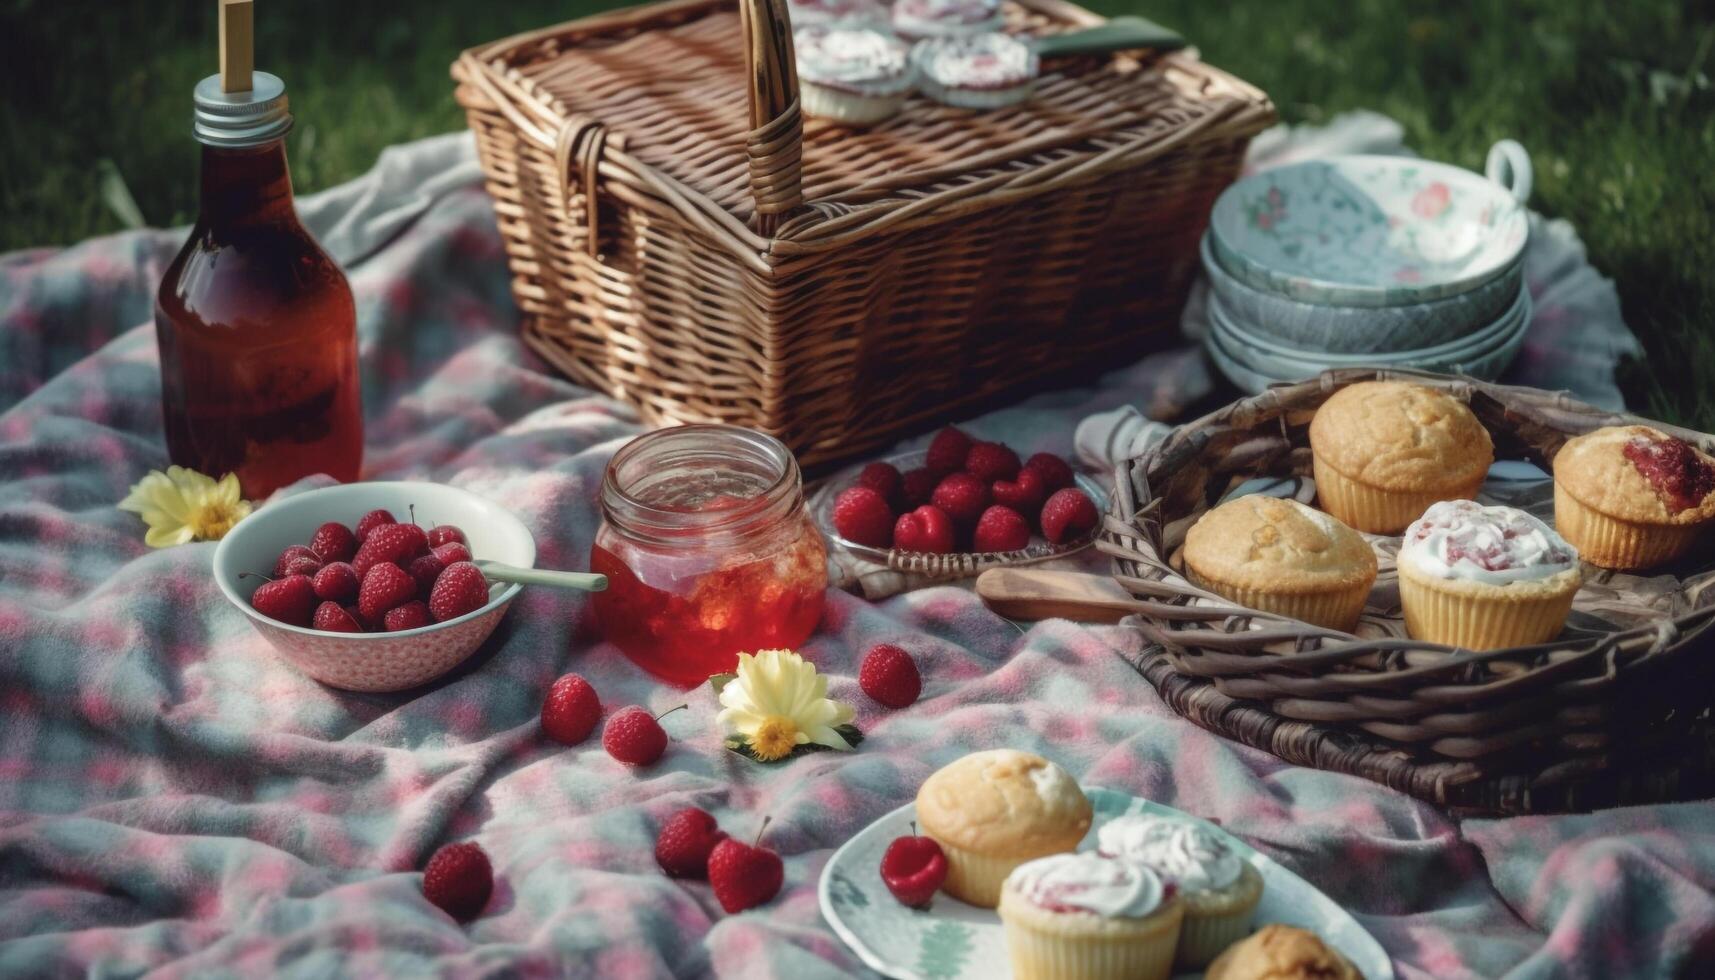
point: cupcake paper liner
(1143, 950)
(1614, 543)
(1216, 920)
(1485, 620)
(853, 108)
(976, 878)
(1374, 509)
(1334, 610)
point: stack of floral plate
(1369, 261)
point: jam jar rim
(639, 520)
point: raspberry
(991, 461)
(296, 560)
(686, 839)
(961, 497)
(370, 522)
(927, 530)
(460, 589)
(1051, 470)
(571, 710)
(386, 585)
(452, 553)
(459, 880)
(889, 676)
(1023, 494)
(290, 599)
(336, 582)
(445, 534)
(407, 616)
(916, 486)
(861, 515)
(634, 736)
(334, 541)
(331, 617)
(884, 479)
(1067, 515)
(1001, 529)
(425, 569)
(744, 876)
(947, 452)
(396, 543)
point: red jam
(708, 550)
(1679, 476)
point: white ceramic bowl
(373, 661)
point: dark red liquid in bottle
(258, 335)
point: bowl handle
(1509, 166)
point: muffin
(916, 19)
(854, 75)
(976, 71)
(992, 811)
(849, 13)
(1279, 952)
(1220, 889)
(1383, 451)
(1282, 557)
(1485, 577)
(1076, 916)
(1631, 497)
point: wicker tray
(681, 238)
(1617, 710)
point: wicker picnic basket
(1617, 710)
(681, 238)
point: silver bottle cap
(242, 118)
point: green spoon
(1119, 34)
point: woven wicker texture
(682, 238)
(1617, 709)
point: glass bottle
(256, 325)
(708, 550)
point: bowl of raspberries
(373, 586)
(960, 506)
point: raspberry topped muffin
(1383, 451)
(849, 13)
(1282, 557)
(976, 71)
(1072, 916)
(1631, 497)
(1219, 888)
(854, 75)
(1485, 577)
(916, 19)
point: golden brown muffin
(1383, 451)
(1277, 952)
(1282, 557)
(992, 811)
(1630, 496)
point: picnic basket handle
(775, 144)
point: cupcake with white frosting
(846, 13)
(854, 75)
(1483, 578)
(945, 18)
(976, 71)
(1078, 916)
(1220, 888)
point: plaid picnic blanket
(176, 801)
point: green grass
(1612, 99)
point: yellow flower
(183, 505)
(778, 702)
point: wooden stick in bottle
(237, 56)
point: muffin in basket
(992, 811)
(852, 74)
(1279, 952)
(1077, 916)
(1631, 497)
(1383, 451)
(1220, 889)
(1282, 557)
(1485, 577)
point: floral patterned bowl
(1374, 231)
(373, 661)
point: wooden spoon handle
(583, 581)
(1028, 593)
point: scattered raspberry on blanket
(884, 479)
(291, 599)
(336, 582)
(927, 529)
(862, 515)
(962, 497)
(460, 589)
(916, 486)
(1023, 494)
(452, 553)
(370, 522)
(459, 880)
(1067, 515)
(407, 616)
(385, 585)
(947, 451)
(425, 569)
(889, 676)
(396, 543)
(332, 618)
(1000, 529)
(744, 875)
(991, 461)
(635, 737)
(333, 541)
(1051, 470)
(296, 560)
(682, 848)
(571, 710)
(445, 534)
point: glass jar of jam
(708, 550)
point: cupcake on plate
(1280, 952)
(1220, 889)
(1631, 497)
(976, 71)
(1383, 451)
(1483, 578)
(1078, 916)
(917, 19)
(992, 811)
(1282, 557)
(847, 13)
(854, 75)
